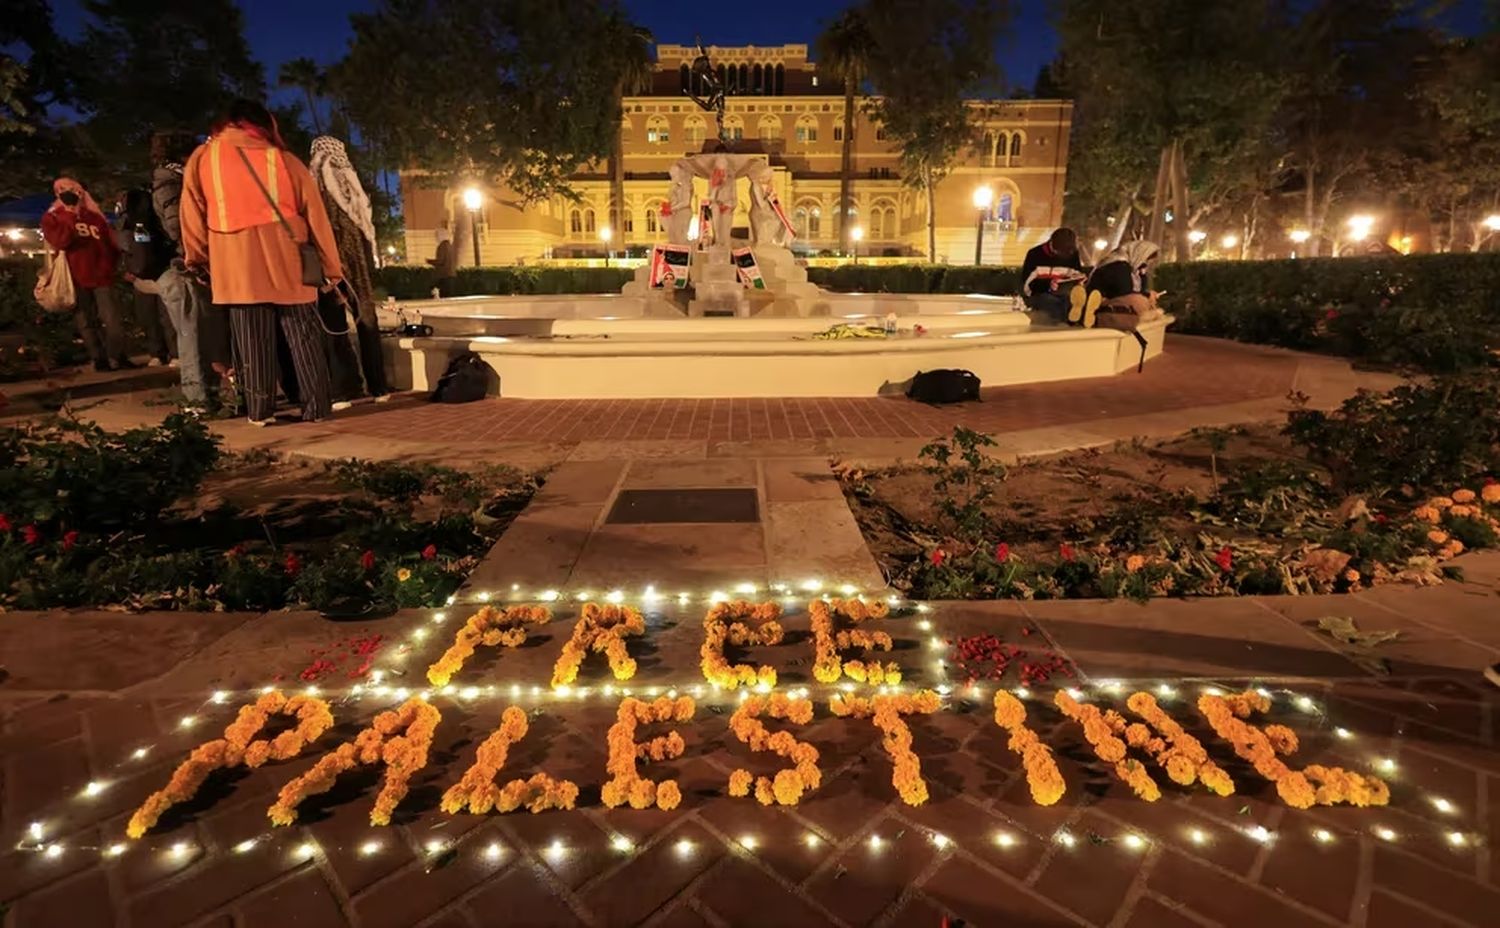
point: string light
(179, 850)
(493, 852)
(187, 721)
(114, 850)
(244, 846)
(684, 847)
(1386, 764)
(139, 753)
(1261, 834)
(812, 586)
(749, 842)
(1022, 692)
(369, 848)
(556, 850)
(436, 846)
(1135, 842)
(1198, 836)
(924, 625)
(35, 830)
(875, 842)
(811, 840)
(1066, 839)
(1442, 805)
(1458, 838)
(1384, 833)
(53, 851)
(1005, 839)
(1166, 691)
(550, 596)
(615, 596)
(621, 844)
(484, 597)
(438, 617)
(1324, 836)
(1343, 733)
(746, 588)
(93, 789)
(419, 634)
(219, 697)
(305, 850)
(848, 589)
(1306, 704)
(940, 840)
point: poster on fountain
(706, 224)
(669, 266)
(779, 210)
(749, 271)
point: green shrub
(47, 339)
(73, 474)
(1427, 436)
(917, 278)
(1435, 312)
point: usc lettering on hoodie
(86, 238)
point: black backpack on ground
(465, 380)
(147, 249)
(944, 386)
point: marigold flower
(238, 746)
(403, 575)
(1134, 563)
(740, 782)
(490, 626)
(1042, 776)
(1100, 734)
(887, 712)
(1427, 514)
(747, 727)
(1440, 502)
(626, 785)
(722, 625)
(1490, 493)
(828, 641)
(1437, 536)
(600, 629)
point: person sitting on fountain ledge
(1050, 270)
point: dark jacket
(1043, 268)
(166, 193)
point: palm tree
(845, 48)
(305, 74)
(634, 68)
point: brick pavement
(850, 854)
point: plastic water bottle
(890, 323)
(436, 293)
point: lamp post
(983, 197)
(856, 235)
(1298, 237)
(473, 199)
(605, 234)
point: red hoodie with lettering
(86, 238)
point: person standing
(202, 335)
(444, 260)
(75, 226)
(349, 212)
(145, 253)
(248, 209)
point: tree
(516, 92)
(1170, 88)
(632, 45)
(304, 74)
(845, 47)
(929, 59)
(144, 65)
(32, 78)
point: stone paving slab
(850, 854)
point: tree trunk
(846, 165)
(617, 176)
(1325, 206)
(1122, 222)
(312, 110)
(1156, 228)
(931, 216)
(1180, 229)
(463, 229)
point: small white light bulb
(1458, 838)
(1197, 836)
(53, 851)
(684, 847)
(93, 789)
(941, 840)
(621, 843)
(219, 697)
(1066, 839)
(1134, 842)
(244, 846)
(1384, 833)
(493, 852)
(1323, 836)
(811, 840)
(1442, 805)
(875, 842)
(114, 850)
(749, 842)
(1005, 839)
(369, 848)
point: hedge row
(916, 278)
(416, 283)
(1434, 312)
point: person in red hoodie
(75, 226)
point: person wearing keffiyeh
(1121, 283)
(349, 212)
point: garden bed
(1302, 508)
(160, 519)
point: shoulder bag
(312, 262)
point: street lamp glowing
(1299, 236)
(1491, 222)
(857, 234)
(983, 197)
(606, 233)
(1197, 236)
(1359, 226)
(473, 199)
(1229, 241)
(1100, 244)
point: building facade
(778, 103)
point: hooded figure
(75, 226)
(349, 214)
(1120, 285)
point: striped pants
(255, 351)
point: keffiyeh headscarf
(334, 172)
(1136, 254)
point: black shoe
(125, 364)
(1492, 674)
(102, 366)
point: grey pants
(202, 334)
(254, 329)
(97, 315)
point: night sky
(319, 29)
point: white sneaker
(383, 398)
(174, 363)
(342, 404)
(154, 362)
(259, 423)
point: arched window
(627, 219)
(743, 85)
(987, 149)
(1005, 208)
(722, 77)
(757, 79)
(575, 222)
(588, 220)
(1015, 149)
(882, 221)
(769, 128)
(734, 127)
(880, 133)
(684, 75)
(694, 129)
(657, 130)
(780, 80)
(807, 128)
(651, 223)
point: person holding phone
(1121, 284)
(75, 226)
(253, 218)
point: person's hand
(129, 277)
(330, 284)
